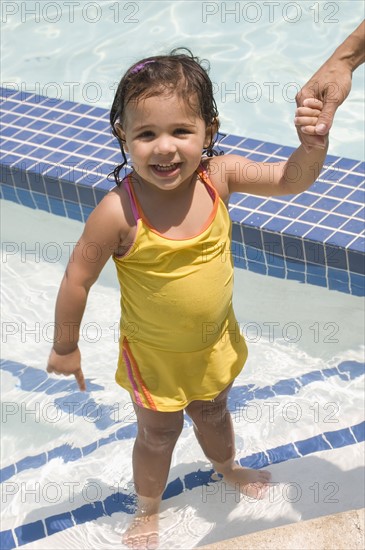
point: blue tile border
(56, 156)
(120, 502)
(32, 379)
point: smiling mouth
(166, 167)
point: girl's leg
(212, 425)
(214, 431)
(156, 439)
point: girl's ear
(210, 132)
(121, 135)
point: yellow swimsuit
(180, 340)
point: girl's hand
(306, 118)
(66, 365)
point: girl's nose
(165, 145)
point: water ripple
(240, 48)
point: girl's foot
(142, 534)
(252, 483)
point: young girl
(167, 227)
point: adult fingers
(313, 103)
(306, 111)
(307, 92)
(308, 130)
(325, 119)
(305, 121)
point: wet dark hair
(179, 72)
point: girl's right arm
(104, 233)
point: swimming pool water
(261, 53)
(297, 406)
(66, 477)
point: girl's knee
(212, 412)
(207, 412)
(159, 438)
(160, 430)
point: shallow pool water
(297, 406)
(294, 408)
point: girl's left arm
(295, 175)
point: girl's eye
(146, 134)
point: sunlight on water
(260, 55)
(292, 388)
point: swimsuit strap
(137, 214)
(203, 175)
(132, 199)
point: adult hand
(331, 84)
(307, 117)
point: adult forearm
(351, 52)
(70, 307)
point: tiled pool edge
(124, 501)
(57, 156)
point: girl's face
(165, 139)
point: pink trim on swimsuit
(204, 178)
(131, 199)
(133, 374)
(131, 379)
